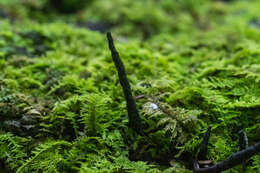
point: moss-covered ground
(190, 64)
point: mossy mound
(62, 108)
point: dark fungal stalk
(233, 160)
(243, 140)
(204, 145)
(133, 116)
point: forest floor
(190, 64)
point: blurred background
(139, 19)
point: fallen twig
(233, 160)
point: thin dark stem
(133, 116)
(204, 145)
(243, 143)
(231, 161)
(243, 140)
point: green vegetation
(62, 108)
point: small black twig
(133, 116)
(233, 160)
(243, 140)
(204, 145)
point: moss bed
(191, 64)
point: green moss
(62, 108)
